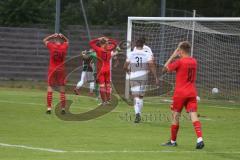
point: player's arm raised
(112, 43)
(47, 39)
(64, 37)
(93, 44)
(172, 57)
(175, 54)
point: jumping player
(57, 45)
(104, 54)
(185, 91)
(140, 63)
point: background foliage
(104, 12)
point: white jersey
(145, 49)
(139, 60)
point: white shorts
(138, 87)
(87, 76)
(90, 76)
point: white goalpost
(216, 46)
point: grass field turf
(23, 122)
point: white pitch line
(31, 148)
(206, 119)
(6, 101)
(110, 151)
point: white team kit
(146, 49)
(139, 60)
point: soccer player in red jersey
(57, 45)
(104, 54)
(185, 91)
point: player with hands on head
(104, 47)
(57, 45)
(185, 92)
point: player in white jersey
(137, 65)
(145, 47)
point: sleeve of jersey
(66, 45)
(113, 44)
(93, 44)
(173, 66)
(149, 50)
(92, 55)
(49, 45)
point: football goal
(215, 45)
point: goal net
(215, 45)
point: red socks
(174, 131)
(198, 128)
(108, 93)
(62, 99)
(49, 99)
(103, 93)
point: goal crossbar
(185, 18)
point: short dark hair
(185, 46)
(143, 39)
(139, 43)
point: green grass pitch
(27, 133)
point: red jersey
(58, 53)
(186, 69)
(103, 55)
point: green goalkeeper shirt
(92, 58)
(87, 66)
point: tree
(104, 12)
(25, 12)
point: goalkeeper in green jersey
(89, 72)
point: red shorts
(190, 104)
(103, 77)
(56, 78)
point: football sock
(136, 105)
(91, 87)
(200, 139)
(97, 90)
(49, 100)
(108, 92)
(174, 131)
(62, 99)
(198, 129)
(103, 93)
(140, 101)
